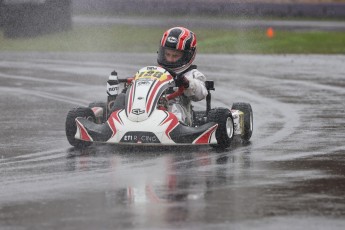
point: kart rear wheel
(71, 126)
(103, 105)
(199, 118)
(246, 109)
(225, 130)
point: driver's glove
(181, 80)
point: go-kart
(147, 119)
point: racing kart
(147, 118)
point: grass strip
(120, 38)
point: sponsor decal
(138, 111)
(115, 88)
(139, 137)
(112, 89)
(151, 68)
(143, 82)
(172, 39)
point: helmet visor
(172, 58)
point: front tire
(103, 105)
(225, 130)
(247, 111)
(71, 126)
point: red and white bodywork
(144, 121)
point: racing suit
(196, 91)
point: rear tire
(71, 126)
(199, 118)
(246, 109)
(225, 130)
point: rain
(56, 55)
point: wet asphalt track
(291, 175)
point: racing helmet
(181, 43)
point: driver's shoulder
(195, 74)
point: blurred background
(21, 18)
(111, 25)
(284, 8)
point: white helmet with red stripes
(177, 49)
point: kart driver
(176, 54)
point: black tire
(246, 109)
(103, 105)
(199, 118)
(71, 126)
(225, 130)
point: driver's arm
(197, 90)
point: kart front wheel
(247, 111)
(71, 126)
(102, 105)
(225, 130)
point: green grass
(146, 39)
(256, 41)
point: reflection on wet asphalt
(291, 173)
